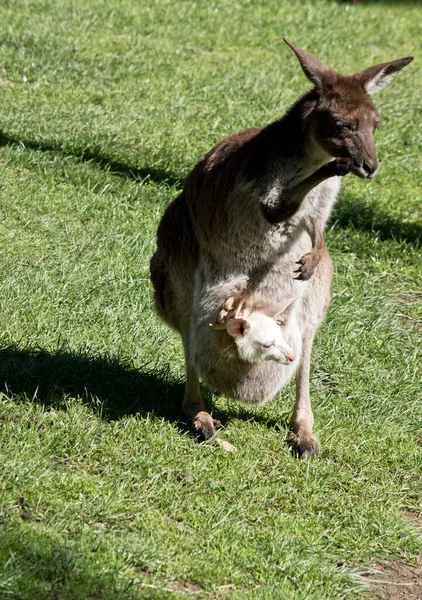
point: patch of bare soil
(186, 587)
(414, 514)
(395, 580)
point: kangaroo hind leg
(302, 441)
(194, 407)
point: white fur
(259, 337)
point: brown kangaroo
(251, 215)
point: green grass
(104, 493)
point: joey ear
(377, 77)
(236, 327)
(314, 69)
(283, 306)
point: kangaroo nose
(291, 357)
(370, 166)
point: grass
(104, 493)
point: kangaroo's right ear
(282, 307)
(314, 69)
(236, 327)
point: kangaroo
(249, 224)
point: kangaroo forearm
(309, 262)
(316, 233)
(290, 199)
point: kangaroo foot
(204, 425)
(303, 445)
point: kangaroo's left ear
(236, 327)
(377, 77)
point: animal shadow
(111, 386)
(115, 386)
(351, 211)
(95, 156)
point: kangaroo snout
(291, 357)
(365, 168)
(370, 167)
(287, 357)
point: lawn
(105, 494)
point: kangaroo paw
(303, 446)
(307, 265)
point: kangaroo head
(259, 337)
(343, 118)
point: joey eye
(268, 345)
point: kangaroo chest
(241, 239)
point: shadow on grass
(351, 211)
(113, 388)
(42, 566)
(51, 378)
(95, 156)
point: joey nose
(370, 166)
(291, 357)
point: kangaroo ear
(314, 69)
(283, 306)
(236, 327)
(377, 77)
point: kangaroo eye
(268, 345)
(343, 125)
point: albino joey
(257, 335)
